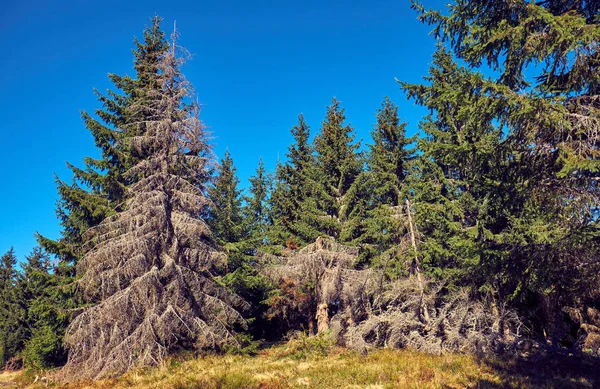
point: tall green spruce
(245, 279)
(338, 163)
(98, 189)
(376, 219)
(389, 155)
(291, 189)
(225, 216)
(454, 184)
(256, 209)
(506, 192)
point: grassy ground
(7, 379)
(314, 364)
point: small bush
(301, 346)
(246, 345)
(44, 349)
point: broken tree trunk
(417, 266)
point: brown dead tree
(367, 310)
(148, 269)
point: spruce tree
(338, 164)
(279, 208)
(521, 211)
(225, 216)
(389, 155)
(376, 212)
(454, 183)
(98, 189)
(292, 187)
(256, 210)
(253, 220)
(45, 322)
(99, 186)
(12, 315)
(148, 269)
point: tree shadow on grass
(544, 370)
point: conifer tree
(149, 268)
(338, 164)
(520, 209)
(454, 181)
(376, 211)
(225, 217)
(279, 208)
(45, 323)
(389, 155)
(98, 189)
(256, 209)
(12, 314)
(100, 186)
(292, 188)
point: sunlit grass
(313, 363)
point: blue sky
(256, 66)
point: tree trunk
(417, 266)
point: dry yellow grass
(7, 378)
(307, 366)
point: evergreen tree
(292, 189)
(454, 183)
(12, 315)
(98, 189)
(149, 269)
(338, 164)
(256, 209)
(376, 213)
(45, 324)
(225, 216)
(515, 173)
(389, 155)
(279, 208)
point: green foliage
(248, 283)
(46, 305)
(225, 215)
(389, 155)
(44, 348)
(455, 182)
(505, 191)
(310, 190)
(12, 312)
(338, 164)
(302, 346)
(246, 345)
(256, 209)
(291, 190)
(375, 220)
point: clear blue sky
(256, 66)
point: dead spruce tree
(148, 268)
(368, 310)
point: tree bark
(417, 266)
